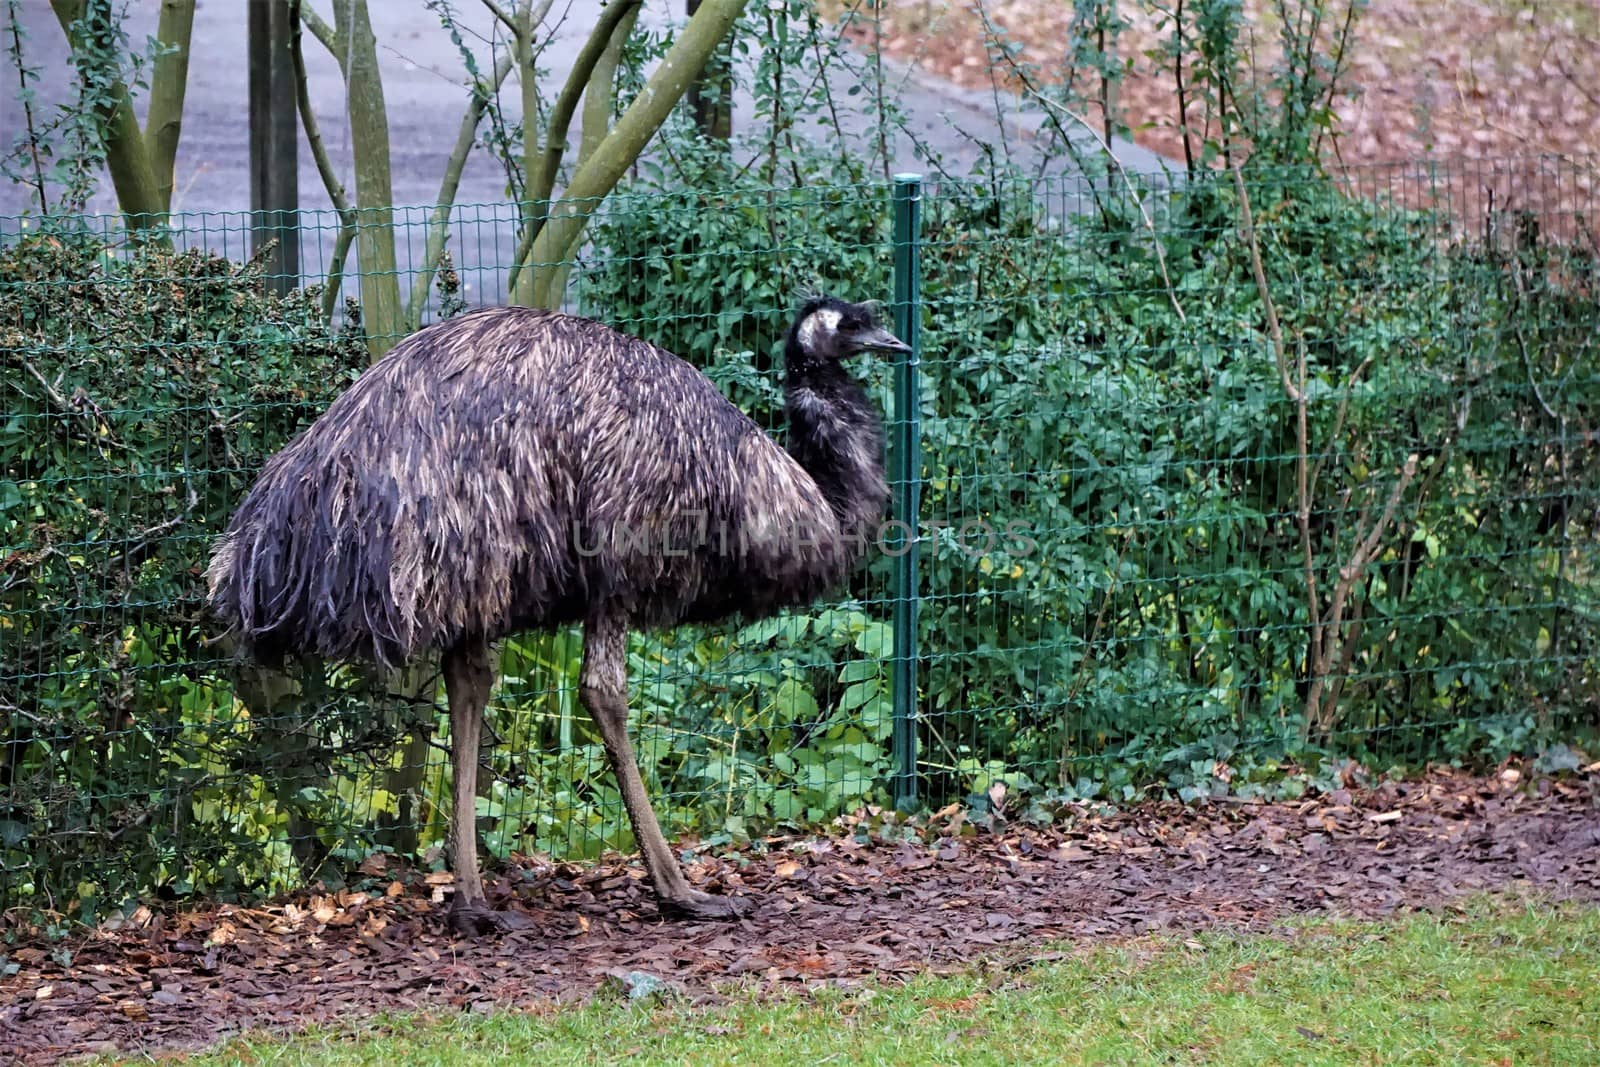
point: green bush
(1153, 625)
(1138, 618)
(1165, 622)
(141, 393)
(1124, 522)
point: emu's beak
(877, 339)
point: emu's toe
(698, 905)
(474, 918)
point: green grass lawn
(1502, 984)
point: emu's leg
(468, 681)
(603, 689)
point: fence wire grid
(1178, 526)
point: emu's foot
(474, 918)
(697, 905)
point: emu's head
(827, 330)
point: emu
(515, 469)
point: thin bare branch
(992, 38)
(1581, 85)
(439, 221)
(25, 99)
(1320, 716)
(594, 180)
(1341, 670)
(51, 390)
(1297, 395)
(502, 15)
(1369, 546)
(555, 142)
(543, 172)
(1274, 329)
(321, 31)
(1522, 346)
(1338, 67)
(319, 153)
(1113, 162)
(1183, 97)
(1338, 421)
(536, 15)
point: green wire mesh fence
(1177, 524)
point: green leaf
(786, 806)
(859, 670)
(759, 632)
(876, 640)
(877, 717)
(858, 695)
(793, 702)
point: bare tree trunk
(417, 686)
(526, 56)
(595, 179)
(133, 177)
(357, 53)
(542, 170)
(1329, 651)
(710, 95)
(439, 221)
(599, 100)
(170, 78)
(274, 144)
(600, 95)
(319, 154)
(281, 705)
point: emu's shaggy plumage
(514, 469)
(506, 470)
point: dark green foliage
(140, 395)
(1116, 551)
(1114, 590)
(1148, 620)
(1163, 622)
(707, 272)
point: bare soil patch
(831, 910)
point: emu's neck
(837, 437)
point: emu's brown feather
(513, 469)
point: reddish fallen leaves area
(1442, 80)
(830, 910)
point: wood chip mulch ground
(831, 910)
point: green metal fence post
(906, 477)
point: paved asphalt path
(423, 77)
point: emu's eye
(851, 323)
